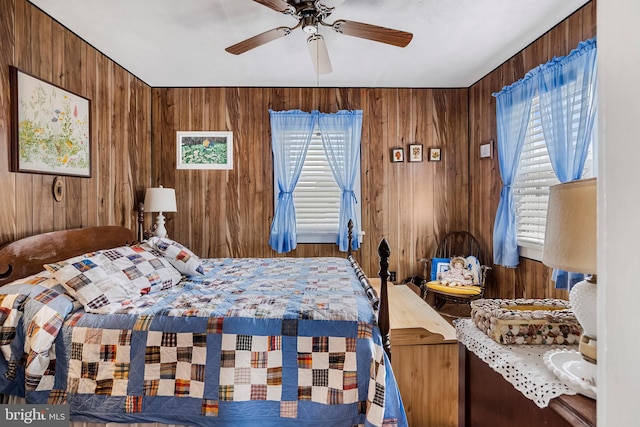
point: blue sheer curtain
(567, 87)
(513, 107)
(343, 155)
(288, 159)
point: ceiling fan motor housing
(311, 14)
(309, 24)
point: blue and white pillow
(178, 255)
(439, 266)
(474, 266)
(105, 281)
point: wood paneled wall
(229, 213)
(531, 279)
(120, 126)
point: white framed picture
(204, 150)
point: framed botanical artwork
(51, 128)
(434, 155)
(397, 155)
(415, 152)
(204, 150)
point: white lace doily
(521, 365)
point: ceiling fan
(310, 15)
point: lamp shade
(570, 241)
(160, 200)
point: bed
(242, 342)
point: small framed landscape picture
(434, 155)
(397, 155)
(415, 152)
(204, 150)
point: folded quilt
(31, 316)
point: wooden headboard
(27, 256)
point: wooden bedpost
(383, 316)
(140, 222)
(349, 237)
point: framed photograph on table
(397, 155)
(415, 152)
(51, 128)
(204, 150)
(434, 155)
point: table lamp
(571, 244)
(160, 200)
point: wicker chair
(458, 243)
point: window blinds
(535, 176)
(317, 195)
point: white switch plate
(486, 150)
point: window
(531, 187)
(317, 195)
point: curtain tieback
(351, 193)
(506, 189)
(285, 194)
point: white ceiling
(180, 43)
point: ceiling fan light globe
(310, 29)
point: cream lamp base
(583, 299)
(582, 372)
(159, 229)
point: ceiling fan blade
(277, 5)
(373, 32)
(319, 54)
(258, 40)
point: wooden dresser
(424, 357)
(487, 399)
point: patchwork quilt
(271, 342)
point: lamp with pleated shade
(571, 245)
(160, 199)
